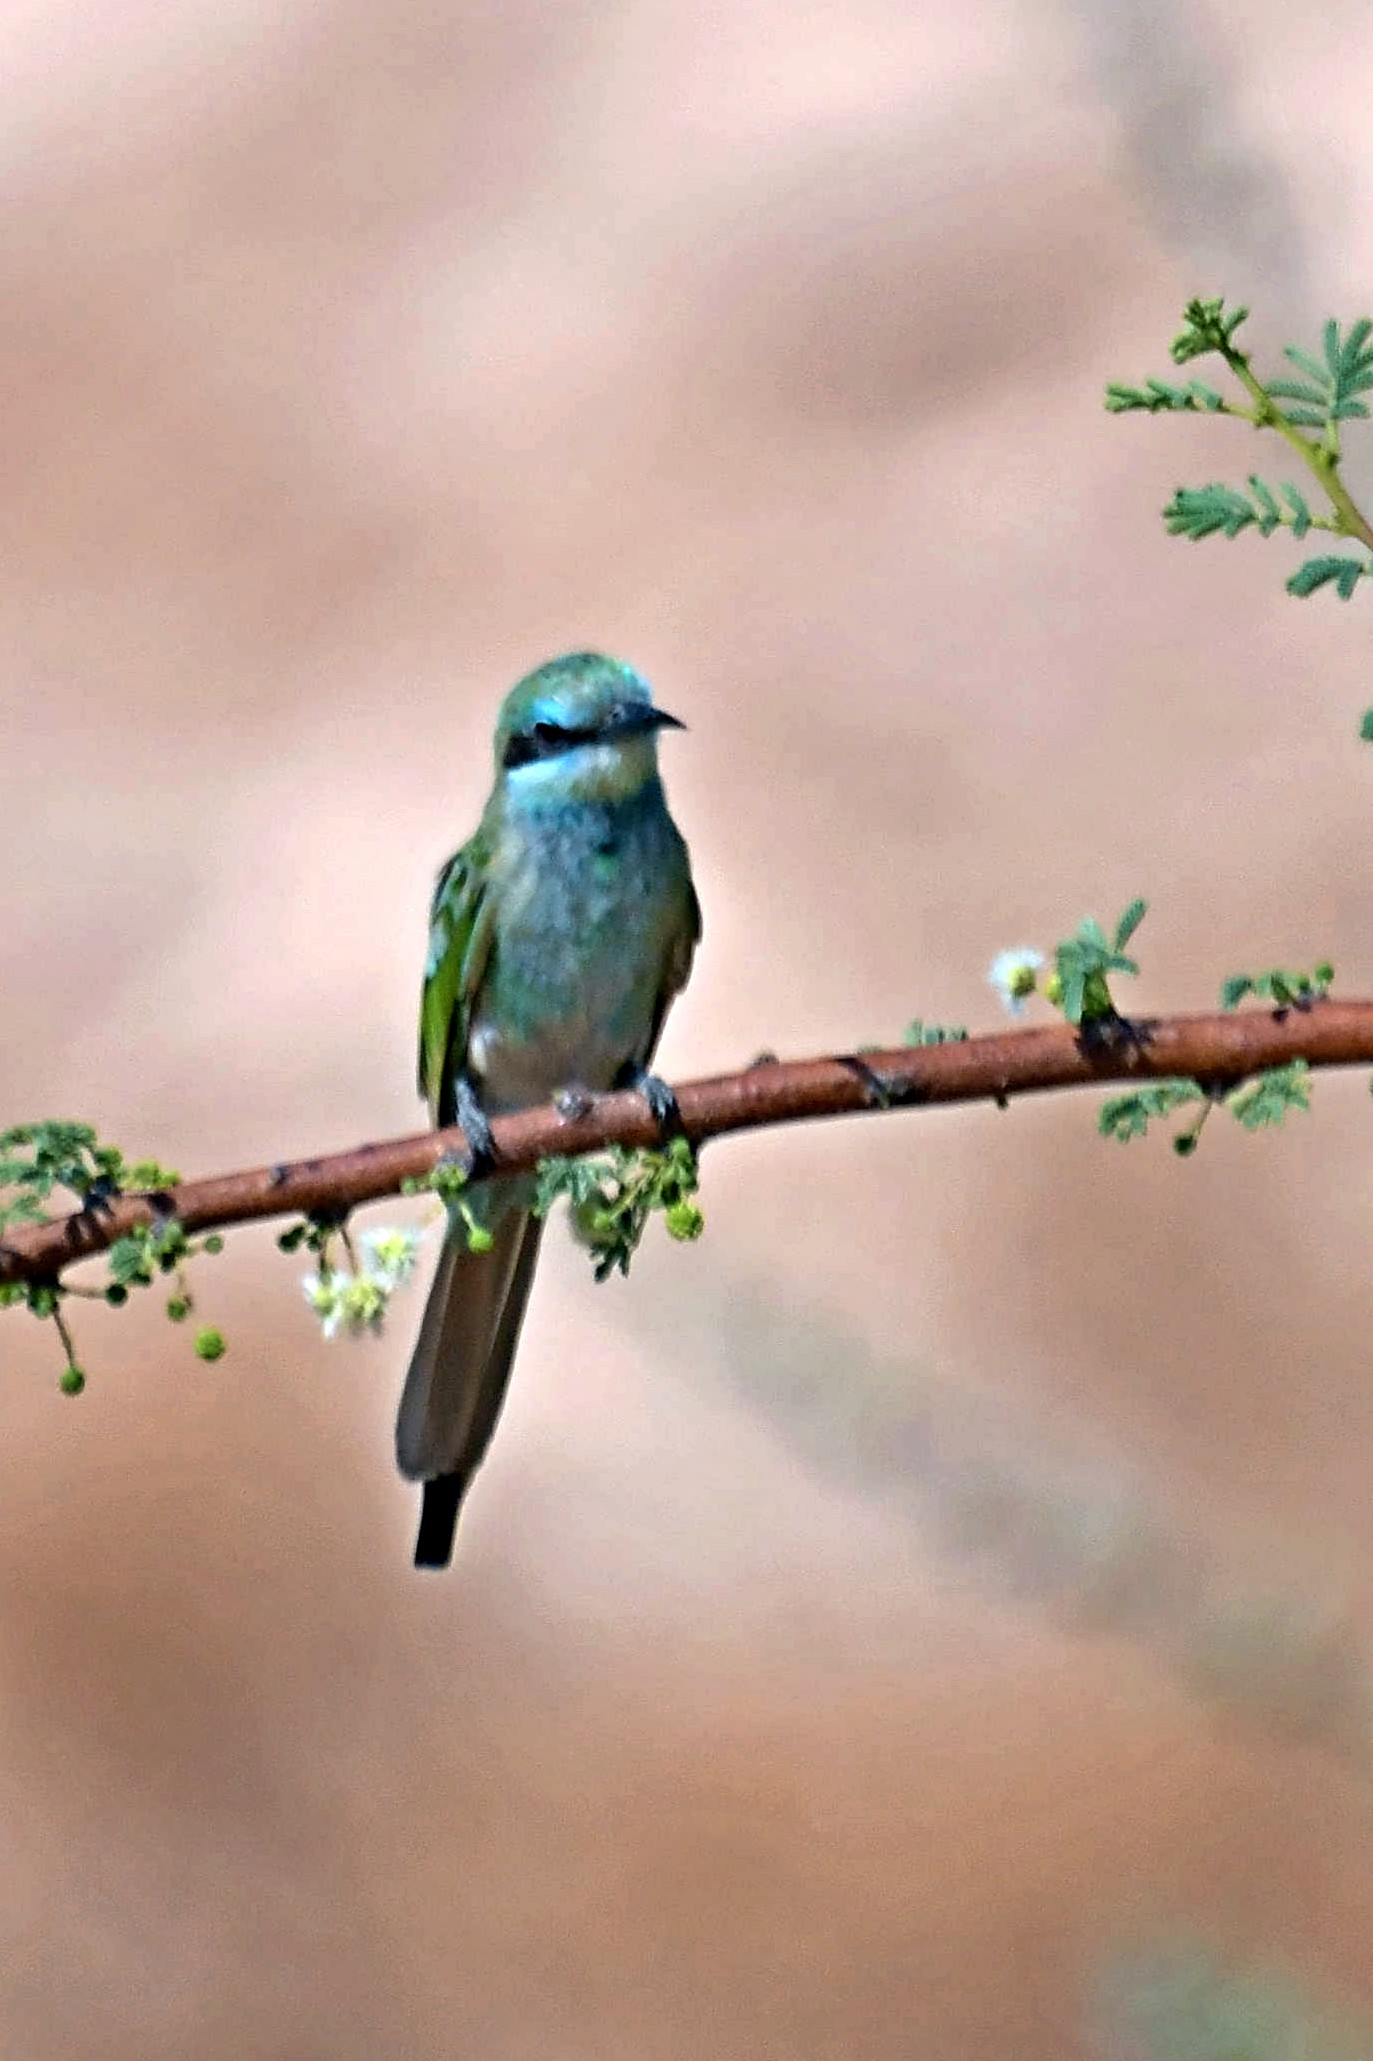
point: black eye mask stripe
(545, 741)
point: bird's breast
(587, 904)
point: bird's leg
(467, 1110)
(657, 1094)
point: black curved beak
(636, 717)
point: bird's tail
(459, 1370)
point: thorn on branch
(895, 1090)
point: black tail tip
(439, 1520)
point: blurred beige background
(955, 1567)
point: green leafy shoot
(1256, 1103)
(921, 1033)
(149, 1253)
(140, 1255)
(448, 1179)
(1267, 1099)
(1306, 411)
(1366, 726)
(614, 1193)
(1206, 326)
(1329, 388)
(1129, 1116)
(1158, 398)
(1198, 512)
(36, 1159)
(1285, 990)
(1079, 985)
(316, 1233)
(1314, 573)
(39, 1162)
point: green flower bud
(209, 1344)
(72, 1382)
(684, 1221)
(179, 1308)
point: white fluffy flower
(391, 1253)
(357, 1302)
(321, 1291)
(1015, 974)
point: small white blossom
(1014, 974)
(363, 1298)
(354, 1303)
(357, 1302)
(322, 1293)
(391, 1253)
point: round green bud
(72, 1382)
(178, 1308)
(209, 1344)
(1053, 991)
(116, 1294)
(479, 1239)
(214, 1243)
(684, 1220)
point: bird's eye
(543, 740)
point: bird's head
(581, 728)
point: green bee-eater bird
(559, 935)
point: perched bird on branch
(559, 935)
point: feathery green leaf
(1129, 1116)
(1344, 573)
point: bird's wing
(460, 932)
(676, 963)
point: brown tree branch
(1218, 1050)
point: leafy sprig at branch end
(37, 1160)
(1307, 412)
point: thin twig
(1219, 1048)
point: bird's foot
(481, 1145)
(658, 1095)
(573, 1102)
